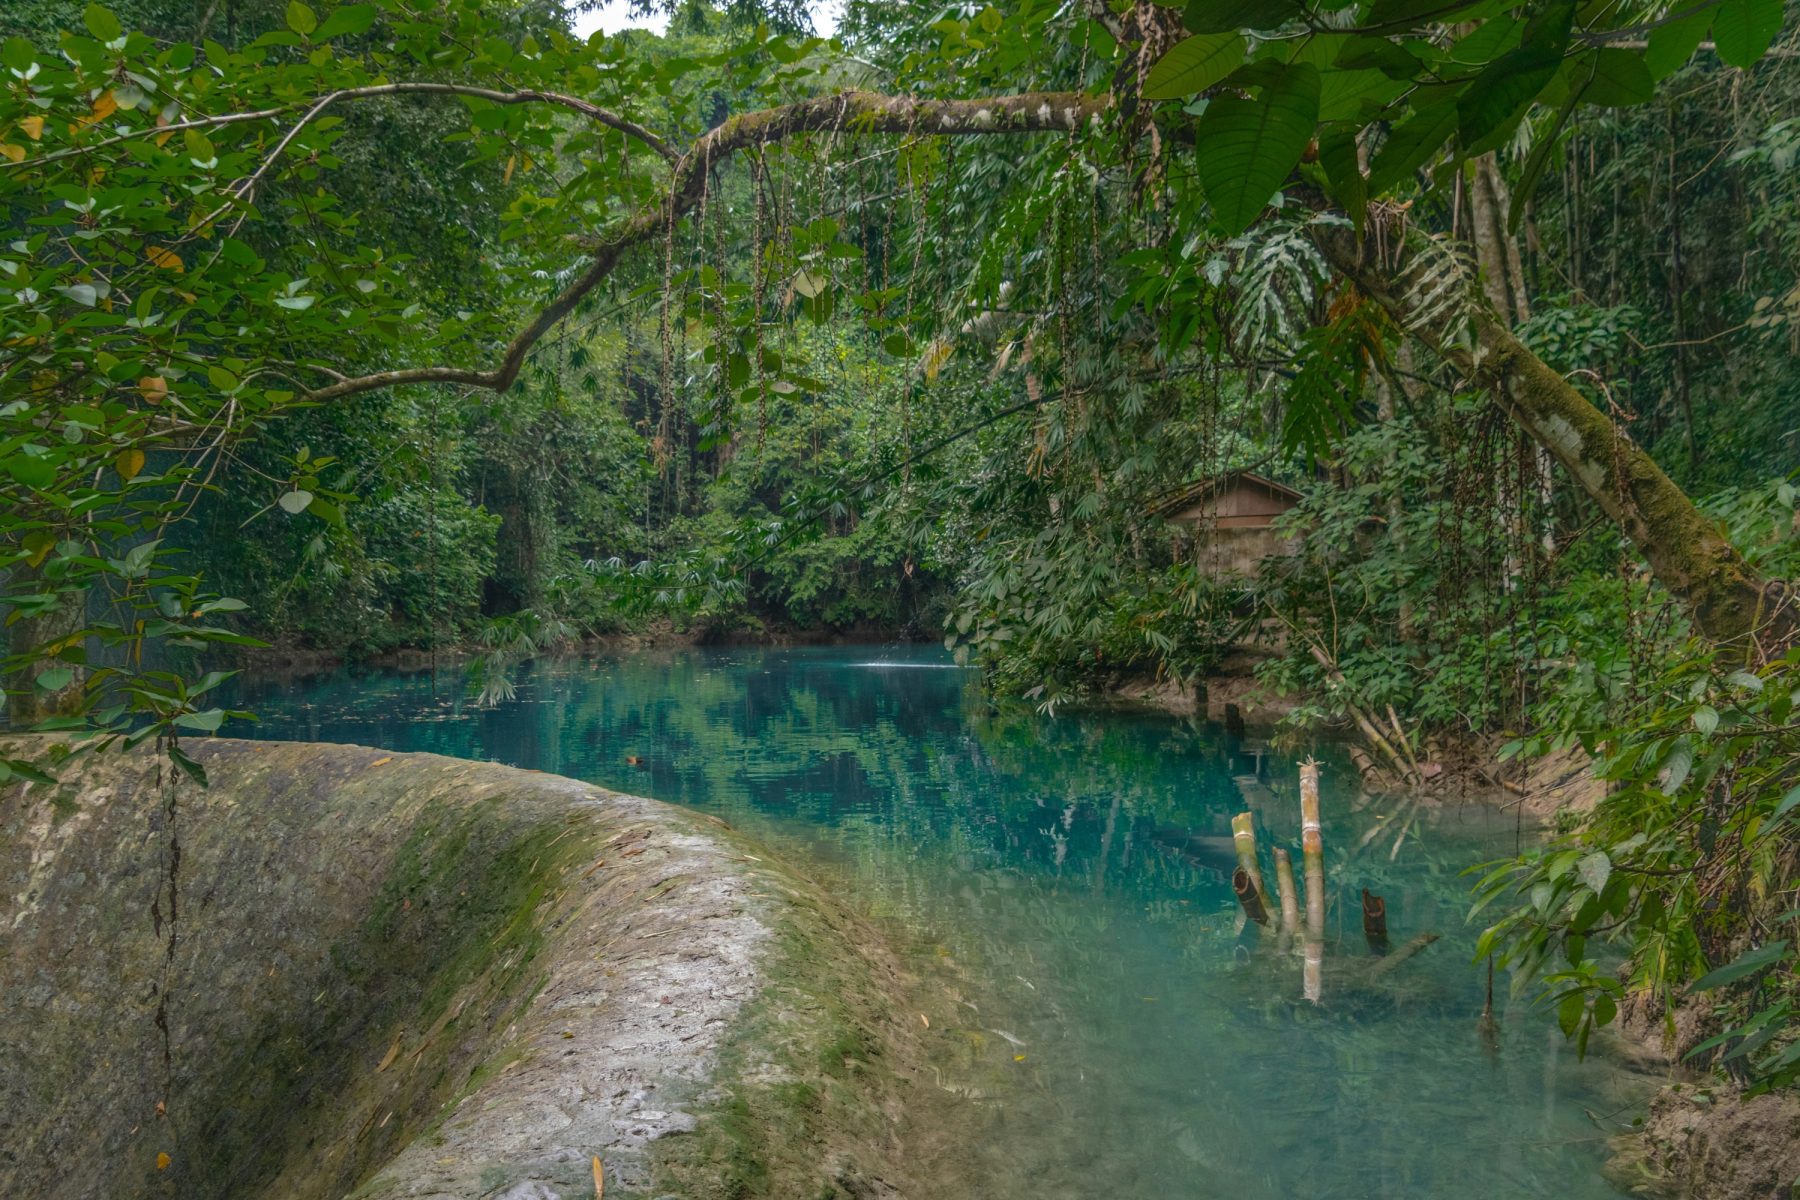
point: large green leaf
(101, 23)
(1225, 16)
(1410, 145)
(1551, 26)
(1247, 147)
(1671, 45)
(1615, 79)
(301, 19)
(1487, 41)
(1747, 963)
(1744, 30)
(1355, 95)
(1541, 151)
(1380, 54)
(1390, 15)
(346, 19)
(1193, 65)
(1337, 154)
(1502, 90)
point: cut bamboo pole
(1243, 837)
(1312, 969)
(1290, 895)
(1245, 887)
(1312, 850)
(1374, 910)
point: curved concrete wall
(338, 971)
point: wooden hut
(1232, 519)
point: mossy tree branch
(851, 111)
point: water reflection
(1102, 1016)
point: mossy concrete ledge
(339, 972)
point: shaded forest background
(1659, 255)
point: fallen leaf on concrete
(387, 1060)
(599, 1179)
(385, 759)
(162, 1160)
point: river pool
(1106, 1025)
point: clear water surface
(1097, 1011)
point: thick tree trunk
(1688, 552)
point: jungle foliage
(384, 324)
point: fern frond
(1275, 278)
(1438, 287)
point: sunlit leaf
(300, 18)
(345, 19)
(168, 260)
(1595, 870)
(1569, 1012)
(101, 23)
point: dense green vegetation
(384, 325)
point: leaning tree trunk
(1688, 552)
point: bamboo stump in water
(1374, 911)
(1290, 895)
(1312, 850)
(1243, 838)
(1245, 887)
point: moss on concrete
(402, 976)
(808, 1096)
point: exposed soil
(1702, 1143)
(1452, 771)
(1229, 695)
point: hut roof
(1174, 503)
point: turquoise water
(1101, 1025)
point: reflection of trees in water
(890, 766)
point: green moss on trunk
(1688, 553)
